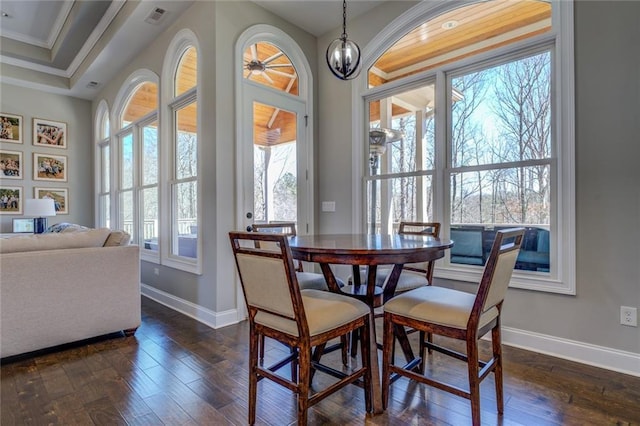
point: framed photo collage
(49, 164)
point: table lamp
(40, 209)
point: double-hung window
(103, 166)
(137, 180)
(469, 124)
(183, 183)
(147, 183)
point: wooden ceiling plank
(476, 22)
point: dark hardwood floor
(176, 371)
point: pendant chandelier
(343, 55)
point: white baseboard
(585, 353)
(197, 312)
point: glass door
(274, 185)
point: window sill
(536, 281)
(183, 264)
(151, 256)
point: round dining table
(370, 250)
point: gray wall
(77, 114)
(607, 174)
(217, 26)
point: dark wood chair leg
(354, 343)
(303, 383)
(253, 375)
(366, 357)
(422, 351)
(344, 347)
(496, 342)
(261, 351)
(294, 365)
(388, 340)
(430, 340)
(474, 380)
(316, 355)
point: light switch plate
(328, 206)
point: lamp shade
(39, 207)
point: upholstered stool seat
(314, 281)
(438, 305)
(325, 311)
(408, 279)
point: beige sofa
(63, 287)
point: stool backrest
(420, 228)
(286, 228)
(267, 274)
(498, 269)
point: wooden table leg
(376, 385)
(403, 339)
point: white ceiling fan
(256, 66)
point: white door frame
(244, 123)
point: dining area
(391, 286)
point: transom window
(187, 72)
(460, 33)
(266, 64)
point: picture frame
(60, 197)
(11, 166)
(10, 128)
(49, 167)
(11, 200)
(49, 133)
(22, 225)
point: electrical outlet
(156, 271)
(629, 316)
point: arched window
(479, 98)
(187, 72)
(274, 129)
(181, 79)
(266, 64)
(137, 162)
(103, 165)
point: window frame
(102, 123)
(135, 129)
(182, 41)
(244, 87)
(560, 38)
(127, 90)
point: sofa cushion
(65, 227)
(117, 238)
(55, 241)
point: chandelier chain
(343, 55)
(344, 19)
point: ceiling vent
(155, 16)
(93, 84)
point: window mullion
(442, 150)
